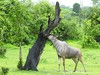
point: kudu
(65, 51)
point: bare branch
(55, 22)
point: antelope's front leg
(59, 61)
(64, 64)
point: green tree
(14, 27)
(17, 16)
(2, 18)
(95, 2)
(76, 8)
(77, 12)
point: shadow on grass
(69, 72)
(2, 57)
(50, 72)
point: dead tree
(35, 52)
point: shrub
(20, 65)
(4, 70)
(2, 51)
(88, 41)
(92, 29)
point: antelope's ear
(46, 35)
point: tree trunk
(37, 49)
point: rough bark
(35, 52)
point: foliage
(41, 11)
(23, 20)
(92, 28)
(20, 20)
(12, 28)
(84, 12)
(88, 41)
(68, 27)
(96, 2)
(20, 64)
(4, 70)
(2, 51)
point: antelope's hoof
(74, 70)
(65, 71)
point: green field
(48, 64)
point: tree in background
(77, 12)
(96, 2)
(76, 8)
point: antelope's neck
(54, 41)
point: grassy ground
(49, 64)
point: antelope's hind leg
(76, 60)
(82, 63)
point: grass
(48, 64)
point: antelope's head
(51, 37)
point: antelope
(65, 51)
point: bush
(20, 65)
(4, 70)
(88, 41)
(2, 51)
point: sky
(71, 2)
